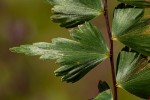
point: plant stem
(111, 51)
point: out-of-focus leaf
(102, 86)
(139, 3)
(76, 57)
(70, 13)
(133, 73)
(131, 30)
(105, 92)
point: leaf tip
(13, 49)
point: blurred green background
(28, 78)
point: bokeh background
(28, 78)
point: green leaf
(131, 30)
(76, 57)
(139, 3)
(133, 73)
(105, 95)
(138, 37)
(125, 17)
(105, 92)
(70, 13)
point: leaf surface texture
(76, 57)
(70, 13)
(133, 73)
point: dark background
(28, 78)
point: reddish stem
(111, 51)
